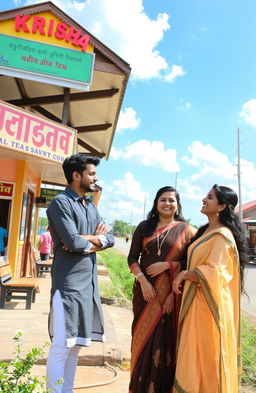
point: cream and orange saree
(208, 358)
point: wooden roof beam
(92, 151)
(59, 98)
(46, 113)
(93, 127)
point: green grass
(249, 353)
(118, 270)
(107, 289)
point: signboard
(49, 194)
(6, 189)
(45, 63)
(28, 133)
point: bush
(15, 376)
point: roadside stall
(61, 92)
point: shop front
(61, 92)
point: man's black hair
(77, 163)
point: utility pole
(144, 209)
(176, 181)
(239, 175)
(131, 221)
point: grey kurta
(74, 274)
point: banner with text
(51, 64)
(25, 132)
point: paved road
(248, 305)
(122, 246)
(250, 287)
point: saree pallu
(154, 333)
(208, 359)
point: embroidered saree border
(177, 388)
(157, 232)
(149, 318)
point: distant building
(249, 210)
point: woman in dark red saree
(155, 257)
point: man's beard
(88, 188)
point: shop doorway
(26, 266)
(5, 214)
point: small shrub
(15, 376)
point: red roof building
(249, 210)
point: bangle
(183, 274)
(138, 275)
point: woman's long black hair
(153, 215)
(227, 217)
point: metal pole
(239, 175)
(176, 180)
(144, 209)
(66, 106)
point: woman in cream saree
(208, 358)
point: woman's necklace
(159, 244)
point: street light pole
(239, 175)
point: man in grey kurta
(77, 231)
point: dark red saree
(154, 333)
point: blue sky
(193, 84)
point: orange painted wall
(10, 173)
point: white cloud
(209, 160)
(183, 106)
(174, 73)
(214, 167)
(125, 27)
(123, 199)
(115, 153)
(152, 153)
(248, 176)
(248, 113)
(128, 119)
(130, 188)
(148, 153)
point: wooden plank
(24, 282)
(58, 98)
(4, 263)
(47, 262)
(4, 270)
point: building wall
(24, 177)
(250, 213)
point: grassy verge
(249, 352)
(118, 270)
(107, 289)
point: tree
(121, 228)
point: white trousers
(62, 361)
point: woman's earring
(176, 213)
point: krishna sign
(51, 28)
(45, 49)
